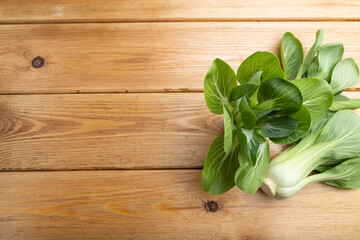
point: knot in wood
(211, 206)
(38, 62)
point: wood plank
(106, 131)
(175, 10)
(142, 57)
(164, 204)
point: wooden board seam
(106, 169)
(129, 92)
(86, 21)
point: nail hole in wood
(38, 62)
(211, 206)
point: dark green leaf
(219, 82)
(276, 126)
(329, 55)
(279, 94)
(219, 169)
(261, 113)
(291, 55)
(266, 62)
(311, 54)
(303, 119)
(242, 90)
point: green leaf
(260, 113)
(242, 90)
(249, 177)
(317, 95)
(246, 89)
(228, 131)
(291, 55)
(311, 54)
(345, 175)
(219, 168)
(340, 98)
(303, 119)
(266, 62)
(249, 142)
(279, 94)
(325, 167)
(342, 131)
(255, 79)
(244, 115)
(329, 55)
(276, 126)
(320, 122)
(219, 82)
(345, 74)
(341, 103)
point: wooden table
(104, 127)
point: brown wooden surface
(150, 48)
(175, 10)
(143, 57)
(106, 131)
(165, 204)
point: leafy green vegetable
(219, 82)
(329, 55)
(291, 55)
(220, 167)
(265, 105)
(345, 74)
(266, 62)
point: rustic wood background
(106, 138)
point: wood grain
(175, 10)
(106, 131)
(164, 204)
(143, 57)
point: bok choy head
(285, 102)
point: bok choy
(285, 102)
